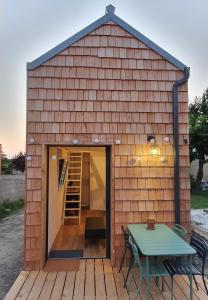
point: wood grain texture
(108, 86)
(96, 279)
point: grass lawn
(199, 199)
(7, 208)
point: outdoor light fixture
(151, 139)
(154, 149)
(166, 139)
(117, 142)
(163, 159)
(96, 141)
(31, 140)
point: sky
(29, 28)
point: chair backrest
(201, 248)
(180, 230)
(135, 252)
(126, 235)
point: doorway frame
(108, 151)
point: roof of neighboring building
(109, 16)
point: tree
(6, 164)
(198, 122)
(18, 162)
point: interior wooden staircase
(72, 205)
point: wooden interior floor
(95, 280)
(71, 236)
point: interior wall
(97, 175)
(55, 197)
(98, 180)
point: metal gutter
(110, 15)
(176, 143)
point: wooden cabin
(107, 142)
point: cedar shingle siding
(109, 86)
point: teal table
(161, 241)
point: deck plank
(27, 286)
(199, 293)
(17, 285)
(79, 282)
(109, 280)
(58, 286)
(99, 280)
(38, 285)
(184, 287)
(96, 279)
(90, 280)
(68, 290)
(48, 286)
(121, 291)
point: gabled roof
(109, 16)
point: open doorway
(78, 202)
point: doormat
(66, 254)
(62, 265)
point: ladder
(72, 205)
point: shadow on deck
(95, 279)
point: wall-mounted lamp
(166, 139)
(31, 140)
(185, 140)
(163, 159)
(151, 139)
(96, 141)
(154, 149)
(117, 142)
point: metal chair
(126, 236)
(156, 269)
(180, 230)
(180, 266)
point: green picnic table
(161, 241)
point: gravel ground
(11, 250)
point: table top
(161, 241)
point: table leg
(190, 276)
(148, 278)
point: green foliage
(18, 162)
(199, 199)
(6, 165)
(7, 208)
(198, 127)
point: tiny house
(107, 142)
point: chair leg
(132, 277)
(171, 287)
(122, 260)
(163, 284)
(157, 281)
(196, 282)
(205, 285)
(138, 288)
(129, 268)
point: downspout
(176, 84)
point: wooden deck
(95, 279)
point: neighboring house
(194, 169)
(107, 107)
